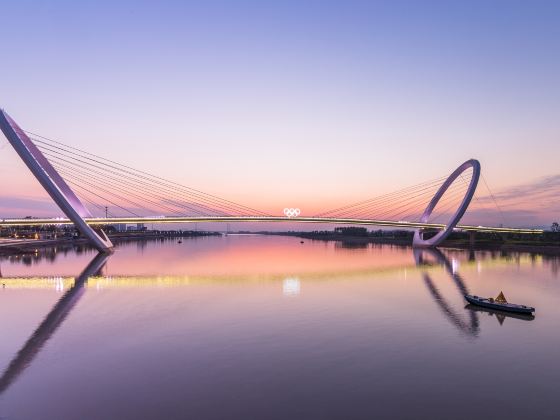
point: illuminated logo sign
(291, 212)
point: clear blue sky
(265, 102)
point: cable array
(116, 190)
(113, 189)
(406, 204)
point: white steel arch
(52, 182)
(437, 239)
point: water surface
(269, 327)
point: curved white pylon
(52, 182)
(418, 241)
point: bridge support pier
(472, 238)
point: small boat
(500, 303)
(500, 314)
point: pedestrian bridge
(97, 221)
(136, 196)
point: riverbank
(481, 244)
(25, 246)
(9, 246)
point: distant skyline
(291, 104)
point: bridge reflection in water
(467, 323)
(428, 257)
(421, 257)
(51, 323)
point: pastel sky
(311, 104)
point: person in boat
(499, 299)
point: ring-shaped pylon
(52, 182)
(438, 238)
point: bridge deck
(273, 219)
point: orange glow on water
(251, 255)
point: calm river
(266, 327)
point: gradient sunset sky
(308, 104)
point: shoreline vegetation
(351, 237)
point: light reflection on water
(268, 327)
(291, 286)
